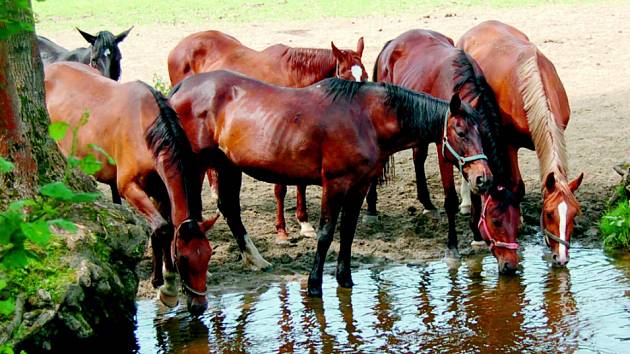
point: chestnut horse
(336, 133)
(103, 53)
(119, 117)
(427, 61)
(534, 113)
(278, 65)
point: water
(415, 308)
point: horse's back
(420, 60)
(50, 51)
(118, 114)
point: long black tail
(167, 136)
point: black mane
(471, 84)
(167, 136)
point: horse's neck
(308, 66)
(547, 136)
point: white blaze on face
(106, 52)
(562, 211)
(356, 72)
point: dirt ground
(589, 45)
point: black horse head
(105, 55)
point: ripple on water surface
(397, 308)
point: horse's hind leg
(280, 191)
(331, 205)
(229, 179)
(371, 214)
(419, 157)
(349, 218)
(306, 229)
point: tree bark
(24, 121)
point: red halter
(485, 232)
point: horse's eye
(461, 134)
(549, 215)
(496, 222)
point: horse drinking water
(119, 117)
(103, 53)
(336, 133)
(279, 65)
(427, 61)
(534, 113)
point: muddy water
(429, 307)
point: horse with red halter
(336, 133)
(534, 113)
(427, 61)
(119, 117)
(278, 65)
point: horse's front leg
(450, 205)
(419, 157)
(332, 197)
(348, 226)
(229, 181)
(306, 229)
(371, 215)
(477, 243)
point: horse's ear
(121, 37)
(336, 52)
(456, 104)
(360, 47)
(550, 182)
(207, 224)
(88, 37)
(575, 184)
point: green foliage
(161, 85)
(615, 226)
(27, 226)
(11, 12)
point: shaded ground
(587, 43)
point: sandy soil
(589, 45)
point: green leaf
(3, 284)
(90, 165)
(57, 190)
(64, 224)
(58, 130)
(97, 148)
(7, 307)
(85, 197)
(38, 232)
(5, 166)
(19, 205)
(73, 161)
(15, 259)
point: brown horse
(119, 116)
(336, 133)
(278, 65)
(534, 113)
(427, 61)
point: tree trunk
(24, 121)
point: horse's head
(499, 223)
(349, 65)
(462, 140)
(105, 55)
(191, 254)
(558, 213)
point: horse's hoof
(478, 246)
(315, 291)
(282, 238)
(452, 253)
(432, 213)
(370, 219)
(464, 209)
(169, 301)
(307, 230)
(252, 258)
(345, 283)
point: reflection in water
(416, 308)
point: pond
(430, 307)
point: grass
(615, 224)
(120, 14)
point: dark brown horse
(534, 113)
(119, 117)
(103, 53)
(336, 133)
(427, 61)
(278, 65)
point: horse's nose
(507, 268)
(196, 307)
(560, 261)
(483, 183)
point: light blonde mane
(547, 136)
